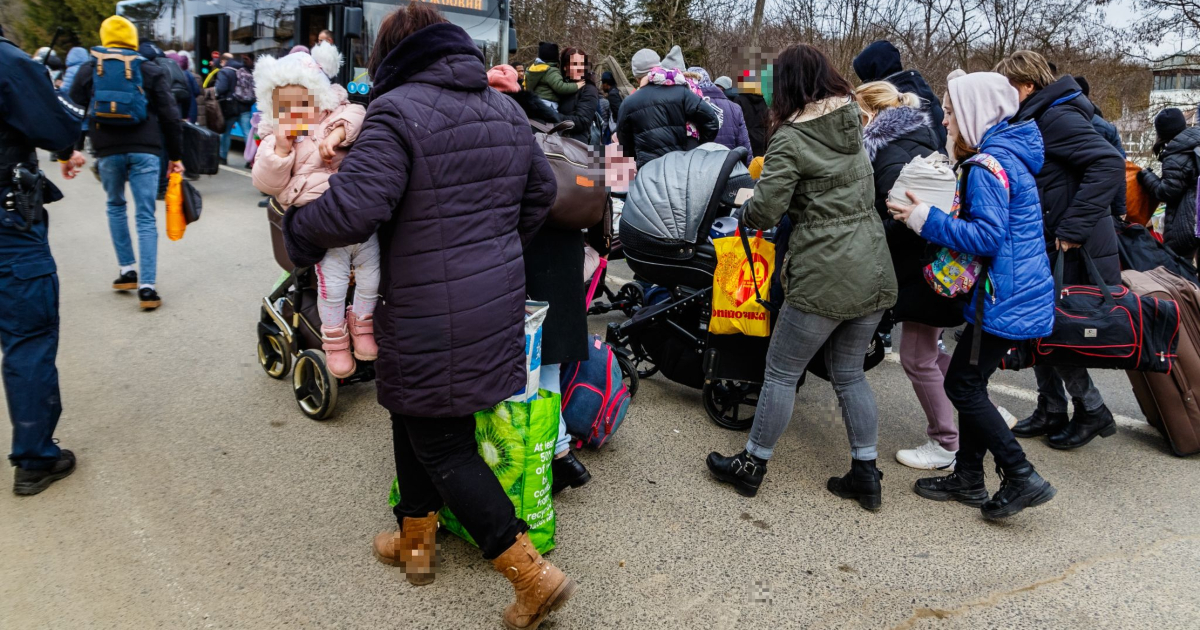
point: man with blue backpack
(235, 92)
(131, 116)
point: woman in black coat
(580, 107)
(898, 131)
(1175, 148)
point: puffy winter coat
(881, 62)
(733, 131)
(892, 139)
(546, 81)
(1082, 179)
(817, 173)
(447, 171)
(754, 111)
(303, 175)
(76, 57)
(1109, 132)
(1177, 189)
(1005, 226)
(653, 122)
(580, 109)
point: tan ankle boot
(541, 587)
(414, 547)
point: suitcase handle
(1093, 272)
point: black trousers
(438, 463)
(981, 428)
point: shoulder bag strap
(754, 276)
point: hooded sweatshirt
(881, 62)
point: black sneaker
(30, 482)
(148, 299)
(126, 281)
(568, 472)
(964, 486)
(744, 471)
(1020, 488)
(862, 484)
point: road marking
(616, 279)
(237, 171)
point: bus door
(212, 39)
(313, 19)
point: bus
(207, 28)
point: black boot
(1020, 488)
(744, 471)
(568, 471)
(1040, 422)
(962, 485)
(30, 482)
(861, 483)
(1084, 427)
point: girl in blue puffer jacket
(1003, 226)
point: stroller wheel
(315, 388)
(628, 373)
(273, 355)
(731, 404)
(632, 296)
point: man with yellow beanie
(128, 146)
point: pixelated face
(295, 109)
(754, 63)
(575, 69)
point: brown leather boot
(541, 587)
(414, 547)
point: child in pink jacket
(307, 124)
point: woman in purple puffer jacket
(733, 131)
(446, 171)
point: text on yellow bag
(742, 286)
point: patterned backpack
(953, 274)
(243, 90)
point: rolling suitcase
(201, 150)
(1170, 400)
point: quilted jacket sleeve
(361, 196)
(773, 193)
(1176, 178)
(743, 135)
(272, 173)
(541, 189)
(702, 115)
(1076, 142)
(984, 232)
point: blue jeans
(243, 121)
(141, 171)
(29, 342)
(796, 338)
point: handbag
(192, 202)
(582, 195)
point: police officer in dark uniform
(32, 116)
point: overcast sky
(1122, 13)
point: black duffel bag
(1141, 251)
(1106, 327)
(201, 150)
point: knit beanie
(725, 83)
(504, 79)
(980, 101)
(118, 32)
(607, 77)
(310, 70)
(643, 61)
(1169, 123)
(705, 80)
(548, 52)
(674, 59)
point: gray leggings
(796, 338)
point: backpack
(179, 82)
(118, 97)
(953, 273)
(594, 397)
(243, 90)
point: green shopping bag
(517, 441)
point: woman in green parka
(837, 276)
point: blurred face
(575, 69)
(520, 68)
(325, 37)
(295, 110)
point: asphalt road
(203, 498)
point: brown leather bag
(582, 196)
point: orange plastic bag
(736, 308)
(176, 223)
(1139, 204)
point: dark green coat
(817, 171)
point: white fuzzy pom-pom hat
(312, 70)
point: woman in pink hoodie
(307, 125)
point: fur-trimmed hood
(312, 70)
(890, 125)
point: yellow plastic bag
(735, 306)
(176, 223)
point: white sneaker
(928, 456)
(1009, 419)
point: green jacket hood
(832, 122)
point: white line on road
(617, 279)
(238, 171)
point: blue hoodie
(1005, 226)
(75, 57)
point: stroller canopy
(669, 195)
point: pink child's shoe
(336, 344)
(362, 330)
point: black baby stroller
(289, 333)
(665, 228)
